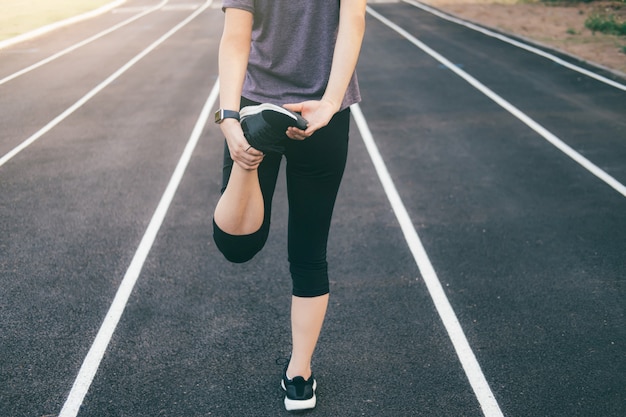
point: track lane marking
(94, 357)
(54, 122)
(519, 44)
(450, 321)
(80, 44)
(546, 134)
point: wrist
(335, 105)
(229, 126)
(229, 122)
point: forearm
(347, 49)
(233, 63)
(233, 57)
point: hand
(317, 112)
(240, 150)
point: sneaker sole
(298, 405)
(252, 110)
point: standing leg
(314, 171)
(307, 317)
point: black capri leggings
(314, 170)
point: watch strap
(222, 114)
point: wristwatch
(222, 114)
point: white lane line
(80, 44)
(522, 45)
(100, 87)
(136, 9)
(53, 26)
(463, 350)
(547, 135)
(180, 7)
(96, 352)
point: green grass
(606, 23)
(565, 2)
(576, 1)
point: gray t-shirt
(292, 50)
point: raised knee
(239, 248)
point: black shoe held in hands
(264, 126)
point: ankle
(294, 372)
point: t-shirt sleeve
(239, 4)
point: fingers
(317, 112)
(248, 165)
(293, 132)
(254, 152)
(296, 134)
(240, 150)
(247, 157)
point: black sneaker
(299, 393)
(264, 126)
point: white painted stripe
(547, 135)
(94, 357)
(80, 44)
(136, 9)
(180, 7)
(463, 350)
(53, 26)
(519, 44)
(100, 87)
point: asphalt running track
(478, 252)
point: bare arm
(347, 49)
(345, 57)
(233, 60)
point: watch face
(218, 116)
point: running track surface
(478, 251)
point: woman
(301, 55)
